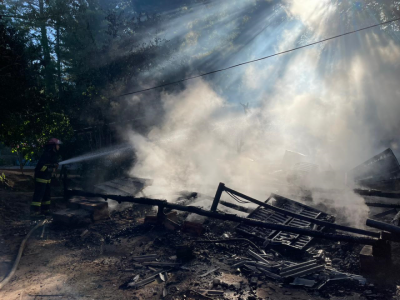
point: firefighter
(47, 164)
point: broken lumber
(229, 217)
(258, 257)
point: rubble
(193, 227)
(81, 212)
(228, 217)
(262, 260)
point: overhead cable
(254, 60)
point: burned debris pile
(292, 245)
(249, 249)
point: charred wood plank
(221, 188)
(257, 257)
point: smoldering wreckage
(252, 251)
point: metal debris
(287, 239)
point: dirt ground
(95, 262)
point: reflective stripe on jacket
(45, 166)
(43, 180)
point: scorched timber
(228, 217)
(383, 226)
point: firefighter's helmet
(54, 141)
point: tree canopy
(64, 62)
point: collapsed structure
(284, 227)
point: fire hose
(20, 251)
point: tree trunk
(21, 166)
(46, 50)
(58, 60)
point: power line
(255, 60)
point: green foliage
(64, 61)
(3, 181)
(28, 139)
(26, 111)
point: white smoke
(335, 102)
(198, 146)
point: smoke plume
(336, 102)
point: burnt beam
(221, 188)
(383, 226)
(386, 205)
(230, 217)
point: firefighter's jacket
(45, 166)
